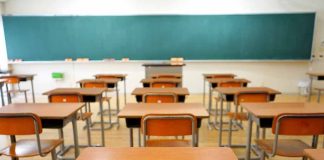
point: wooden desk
(88, 95)
(263, 114)
(210, 75)
(229, 94)
(52, 115)
(22, 77)
(181, 92)
(133, 112)
(147, 82)
(158, 153)
(314, 75)
(2, 83)
(314, 154)
(122, 77)
(157, 75)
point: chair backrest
(251, 96)
(94, 85)
(160, 98)
(231, 84)
(20, 124)
(163, 85)
(12, 80)
(298, 124)
(65, 98)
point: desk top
(156, 75)
(152, 80)
(237, 90)
(315, 154)
(111, 75)
(220, 80)
(44, 110)
(315, 73)
(210, 75)
(178, 91)
(158, 153)
(138, 110)
(18, 75)
(107, 81)
(81, 91)
(270, 110)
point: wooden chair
(290, 124)
(163, 85)
(160, 98)
(169, 125)
(15, 83)
(251, 96)
(84, 116)
(26, 124)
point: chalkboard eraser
(82, 59)
(125, 59)
(68, 59)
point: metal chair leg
(26, 100)
(61, 136)
(230, 133)
(88, 132)
(53, 154)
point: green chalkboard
(159, 37)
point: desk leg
(310, 89)
(13, 140)
(75, 136)
(220, 131)
(131, 144)
(197, 138)
(2, 99)
(204, 90)
(125, 90)
(209, 103)
(102, 123)
(117, 102)
(248, 138)
(139, 137)
(8, 94)
(33, 91)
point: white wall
(280, 75)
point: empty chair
(15, 82)
(84, 116)
(285, 124)
(163, 85)
(160, 98)
(26, 124)
(169, 125)
(255, 97)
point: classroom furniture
(314, 154)
(165, 68)
(122, 77)
(166, 75)
(160, 98)
(22, 77)
(3, 83)
(319, 91)
(313, 75)
(169, 125)
(180, 92)
(224, 37)
(15, 83)
(228, 94)
(214, 75)
(285, 124)
(83, 116)
(263, 115)
(52, 115)
(161, 82)
(133, 112)
(26, 124)
(159, 153)
(88, 95)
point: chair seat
(18, 90)
(84, 116)
(238, 116)
(106, 99)
(168, 143)
(287, 148)
(28, 148)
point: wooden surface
(270, 110)
(28, 76)
(81, 91)
(158, 153)
(116, 75)
(137, 110)
(107, 81)
(315, 154)
(315, 73)
(177, 75)
(44, 110)
(177, 91)
(152, 80)
(220, 80)
(209, 75)
(237, 90)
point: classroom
(162, 80)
